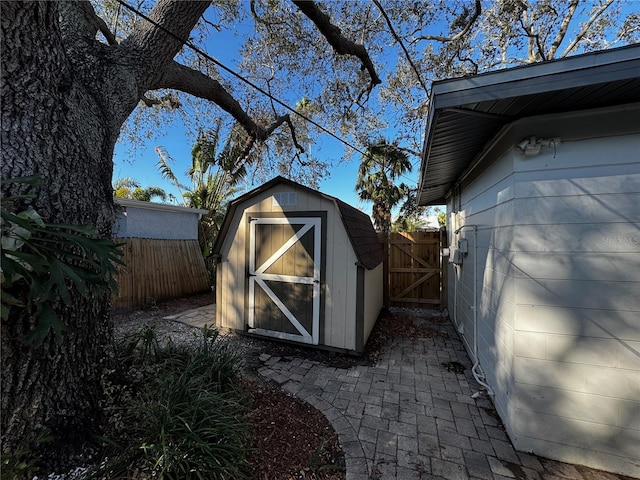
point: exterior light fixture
(531, 146)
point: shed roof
(466, 113)
(362, 235)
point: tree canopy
(362, 69)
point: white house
(539, 167)
(138, 219)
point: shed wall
(338, 328)
(558, 276)
(373, 298)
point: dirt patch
(290, 439)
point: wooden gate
(415, 269)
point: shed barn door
(284, 278)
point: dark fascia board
(163, 207)
(580, 70)
(556, 75)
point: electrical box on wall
(463, 245)
(456, 258)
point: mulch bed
(290, 439)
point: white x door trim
(258, 277)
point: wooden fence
(415, 270)
(158, 269)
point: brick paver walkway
(411, 415)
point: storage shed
(298, 265)
(539, 167)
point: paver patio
(412, 414)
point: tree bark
(65, 97)
(52, 126)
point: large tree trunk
(53, 126)
(65, 97)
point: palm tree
(127, 187)
(380, 166)
(214, 174)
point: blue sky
(139, 162)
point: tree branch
(80, 18)
(401, 43)
(562, 31)
(340, 44)
(159, 36)
(179, 77)
(460, 34)
(586, 27)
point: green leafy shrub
(39, 260)
(184, 418)
(23, 463)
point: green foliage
(22, 463)
(40, 261)
(381, 165)
(411, 215)
(214, 174)
(183, 417)
(127, 187)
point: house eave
(465, 114)
(127, 202)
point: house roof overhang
(465, 114)
(164, 207)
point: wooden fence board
(415, 269)
(155, 270)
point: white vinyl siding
(559, 276)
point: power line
(399, 40)
(238, 76)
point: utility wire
(399, 40)
(237, 75)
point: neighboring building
(298, 265)
(539, 167)
(161, 253)
(138, 219)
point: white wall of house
(138, 219)
(558, 282)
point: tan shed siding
(230, 307)
(341, 286)
(339, 262)
(373, 280)
(577, 265)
